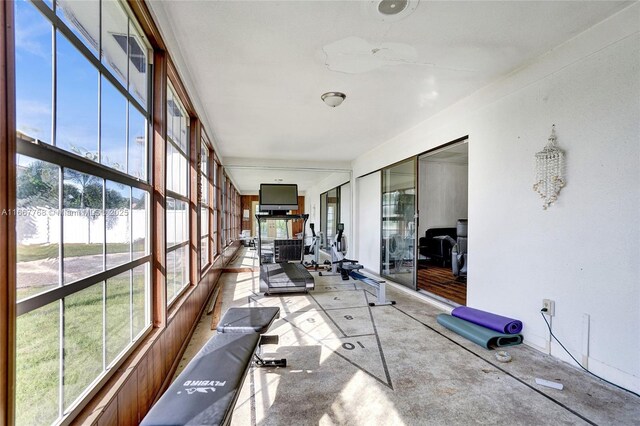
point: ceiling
(256, 69)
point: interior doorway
(443, 200)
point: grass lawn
(38, 344)
(29, 252)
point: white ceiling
(256, 69)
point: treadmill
(281, 255)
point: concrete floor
(349, 363)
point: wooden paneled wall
(246, 201)
(297, 226)
(129, 395)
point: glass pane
(185, 266)
(170, 112)
(137, 66)
(139, 298)
(82, 340)
(140, 222)
(171, 221)
(38, 365)
(184, 176)
(176, 117)
(137, 165)
(398, 222)
(184, 132)
(83, 18)
(37, 226)
(171, 265)
(178, 277)
(204, 252)
(34, 109)
(77, 101)
(83, 225)
(182, 268)
(204, 221)
(204, 169)
(181, 231)
(117, 220)
(182, 222)
(113, 136)
(118, 315)
(114, 39)
(169, 168)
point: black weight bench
(205, 393)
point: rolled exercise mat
(489, 320)
(479, 335)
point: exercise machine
(313, 248)
(281, 256)
(340, 265)
(349, 268)
(206, 391)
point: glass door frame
(413, 274)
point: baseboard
(612, 374)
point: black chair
(459, 251)
(437, 243)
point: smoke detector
(390, 10)
(392, 7)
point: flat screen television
(278, 197)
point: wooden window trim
(7, 222)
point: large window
(82, 200)
(205, 206)
(224, 217)
(177, 201)
(217, 169)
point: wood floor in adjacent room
(441, 282)
(352, 364)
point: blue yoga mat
(488, 320)
(479, 335)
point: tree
(36, 187)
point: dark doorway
(442, 235)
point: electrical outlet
(550, 307)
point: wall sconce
(549, 171)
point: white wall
(367, 216)
(443, 195)
(584, 252)
(312, 197)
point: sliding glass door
(399, 223)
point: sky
(77, 104)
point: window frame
(176, 196)
(217, 207)
(64, 159)
(205, 186)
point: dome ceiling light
(333, 99)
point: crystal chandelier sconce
(549, 171)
